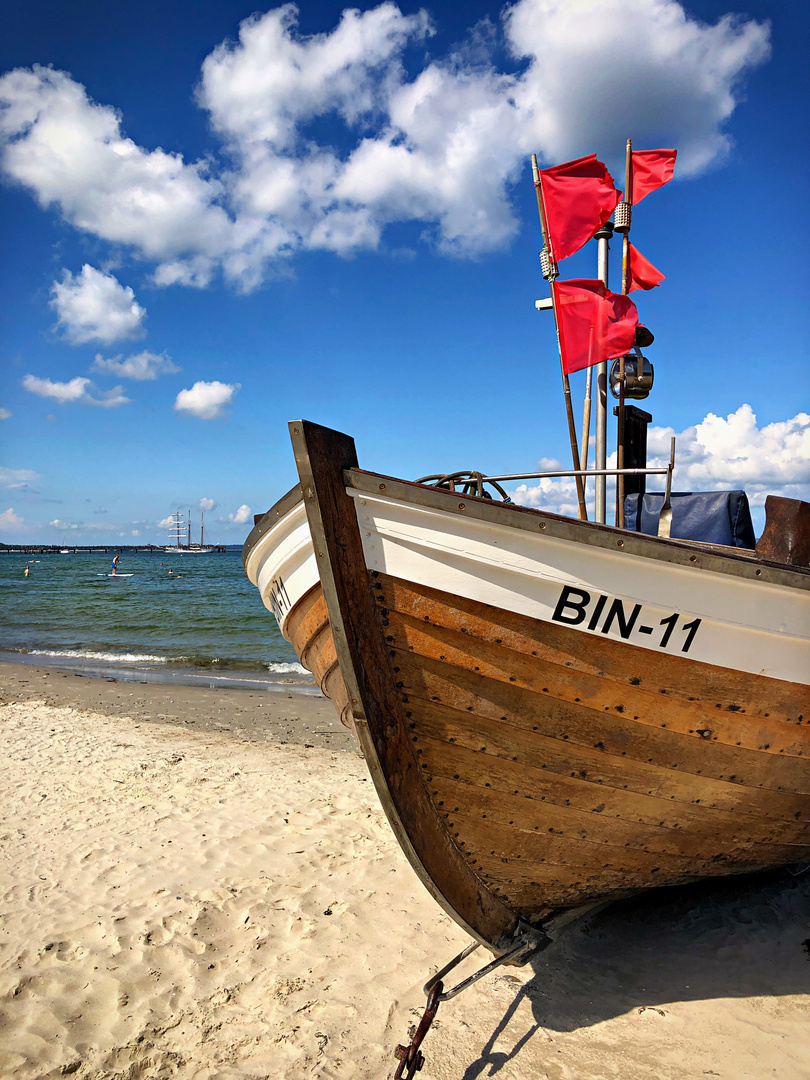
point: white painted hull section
(746, 626)
(282, 564)
(652, 604)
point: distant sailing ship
(180, 527)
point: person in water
(115, 563)
(26, 572)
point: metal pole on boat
(586, 419)
(623, 225)
(600, 450)
(582, 512)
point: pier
(120, 549)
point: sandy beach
(201, 884)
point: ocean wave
(89, 654)
(287, 668)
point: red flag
(595, 324)
(651, 169)
(578, 196)
(641, 274)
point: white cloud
(600, 69)
(74, 390)
(72, 153)
(17, 478)
(166, 523)
(11, 522)
(93, 527)
(94, 306)
(206, 400)
(442, 146)
(242, 515)
(721, 454)
(207, 504)
(77, 389)
(556, 496)
(5, 414)
(715, 455)
(141, 366)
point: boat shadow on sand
(726, 939)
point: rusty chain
(411, 1057)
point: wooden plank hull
(529, 766)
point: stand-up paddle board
(115, 575)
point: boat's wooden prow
(786, 537)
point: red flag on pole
(595, 324)
(641, 274)
(578, 196)
(651, 169)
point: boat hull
(534, 756)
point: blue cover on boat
(711, 517)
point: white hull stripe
(652, 604)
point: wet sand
(251, 715)
(192, 888)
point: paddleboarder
(115, 564)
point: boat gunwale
(621, 541)
(736, 562)
(278, 510)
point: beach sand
(184, 896)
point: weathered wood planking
(576, 773)
(559, 807)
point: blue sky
(213, 226)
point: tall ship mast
(180, 536)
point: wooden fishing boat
(555, 713)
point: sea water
(190, 618)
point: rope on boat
(465, 482)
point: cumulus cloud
(78, 389)
(94, 306)
(82, 526)
(166, 523)
(11, 522)
(17, 478)
(206, 400)
(5, 414)
(718, 454)
(141, 366)
(72, 154)
(676, 82)
(242, 515)
(439, 143)
(207, 504)
(734, 452)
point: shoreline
(248, 714)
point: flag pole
(626, 218)
(582, 512)
(586, 420)
(602, 236)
